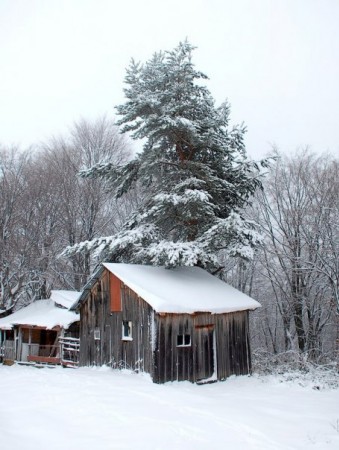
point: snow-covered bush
(295, 366)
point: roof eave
(87, 288)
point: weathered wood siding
(97, 316)
(219, 346)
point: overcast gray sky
(277, 62)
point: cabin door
(204, 352)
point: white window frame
(129, 336)
(183, 338)
(97, 334)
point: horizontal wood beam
(44, 359)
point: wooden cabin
(32, 334)
(175, 324)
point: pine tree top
(193, 169)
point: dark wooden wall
(219, 346)
(111, 349)
(219, 342)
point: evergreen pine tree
(193, 169)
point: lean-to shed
(175, 324)
(32, 333)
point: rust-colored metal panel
(115, 294)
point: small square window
(183, 340)
(126, 330)
(97, 334)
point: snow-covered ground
(102, 409)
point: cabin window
(97, 334)
(183, 340)
(126, 330)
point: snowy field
(101, 409)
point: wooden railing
(7, 351)
(69, 350)
(44, 350)
(66, 352)
(43, 354)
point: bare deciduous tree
(293, 211)
(16, 276)
(45, 206)
(295, 272)
(83, 203)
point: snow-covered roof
(181, 290)
(65, 298)
(42, 313)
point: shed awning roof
(64, 298)
(182, 290)
(41, 313)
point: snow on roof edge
(182, 289)
(64, 297)
(42, 313)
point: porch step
(36, 365)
